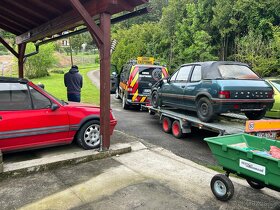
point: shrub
(57, 71)
(38, 65)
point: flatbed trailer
(178, 122)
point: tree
(38, 65)
(262, 55)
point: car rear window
(150, 73)
(236, 72)
(14, 96)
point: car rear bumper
(242, 105)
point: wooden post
(21, 52)
(101, 35)
(105, 25)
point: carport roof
(32, 20)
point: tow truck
(179, 122)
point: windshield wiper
(64, 102)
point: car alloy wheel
(92, 135)
(88, 136)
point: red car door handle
(0, 117)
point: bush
(58, 71)
(4, 53)
(38, 65)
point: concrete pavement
(149, 177)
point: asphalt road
(147, 127)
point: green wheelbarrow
(246, 156)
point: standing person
(73, 80)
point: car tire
(155, 99)
(166, 124)
(124, 102)
(205, 111)
(88, 136)
(222, 187)
(255, 185)
(117, 95)
(255, 115)
(176, 129)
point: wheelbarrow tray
(245, 161)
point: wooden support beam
(105, 25)
(91, 25)
(68, 20)
(125, 5)
(8, 47)
(21, 52)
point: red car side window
(14, 96)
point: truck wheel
(176, 129)
(166, 124)
(205, 110)
(155, 99)
(222, 187)
(117, 95)
(88, 136)
(255, 185)
(124, 102)
(256, 115)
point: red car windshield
(237, 72)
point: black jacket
(73, 80)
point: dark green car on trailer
(215, 87)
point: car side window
(184, 73)
(173, 78)
(196, 75)
(39, 100)
(14, 96)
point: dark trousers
(76, 97)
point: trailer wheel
(166, 124)
(255, 185)
(176, 129)
(222, 187)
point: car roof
(210, 68)
(211, 63)
(13, 80)
(149, 65)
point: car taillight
(224, 94)
(270, 94)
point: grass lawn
(54, 84)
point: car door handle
(1, 118)
(183, 86)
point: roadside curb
(49, 163)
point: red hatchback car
(31, 118)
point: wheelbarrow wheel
(222, 187)
(255, 185)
